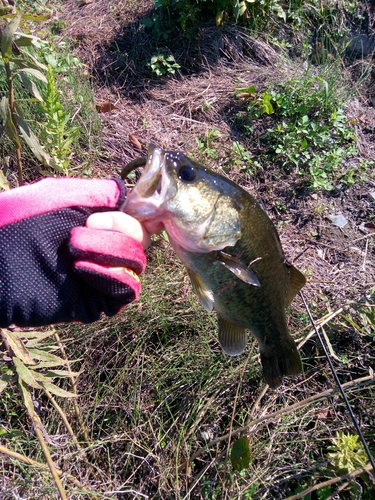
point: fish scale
(232, 253)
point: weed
(57, 133)
(206, 146)
(163, 65)
(347, 453)
(311, 134)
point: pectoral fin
(205, 295)
(296, 281)
(232, 337)
(239, 269)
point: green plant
(57, 133)
(19, 62)
(206, 146)
(347, 453)
(311, 133)
(163, 65)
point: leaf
(25, 40)
(4, 184)
(30, 86)
(135, 142)
(25, 374)
(33, 142)
(10, 129)
(35, 334)
(48, 359)
(53, 389)
(18, 349)
(34, 72)
(22, 63)
(7, 38)
(27, 398)
(35, 17)
(105, 107)
(62, 374)
(4, 379)
(240, 454)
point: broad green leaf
(25, 374)
(240, 454)
(7, 38)
(27, 397)
(32, 141)
(10, 129)
(34, 72)
(5, 379)
(18, 348)
(4, 184)
(53, 389)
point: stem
(12, 101)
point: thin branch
(333, 480)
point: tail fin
(276, 366)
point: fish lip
(148, 195)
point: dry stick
(284, 411)
(340, 387)
(77, 410)
(60, 411)
(39, 465)
(38, 426)
(330, 481)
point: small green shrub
(310, 134)
(163, 65)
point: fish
(232, 253)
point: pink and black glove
(53, 269)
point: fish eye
(187, 173)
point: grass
(155, 391)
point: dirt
(173, 112)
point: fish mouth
(145, 202)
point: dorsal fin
(232, 337)
(296, 281)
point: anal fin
(232, 337)
(296, 282)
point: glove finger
(117, 282)
(108, 248)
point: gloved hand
(54, 269)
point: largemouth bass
(231, 251)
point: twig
(340, 387)
(284, 411)
(77, 410)
(39, 465)
(365, 257)
(330, 481)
